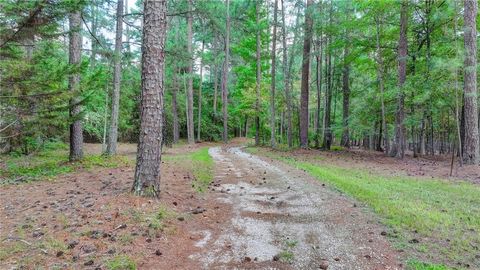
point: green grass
(445, 213)
(121, 262)
(199, 163)
(417, 265)
(51, 161)
(12, 249)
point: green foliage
(156, 221)
(286, 256)
(121, 262)
(417, 265)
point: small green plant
(286, 256)
(136, 215)
(156, 221)
(291, 243)
(63, 219)
(126, 238)
(121, 262)
(53, 244)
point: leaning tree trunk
(259, 75)
(272, 90)
(304, 92)
(471, 153)
(225, 76)
(75, 50)
(398, 146)
(117, 77)
(190, 124)
(147, 171)
(286, 76)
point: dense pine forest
(383, 75)
(129, 95)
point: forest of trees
(391, 76)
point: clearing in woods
(221, 208)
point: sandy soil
(256, 215)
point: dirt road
(257, 214)
(283, 219)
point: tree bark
(327, 131)
(93, 29)
(345, 142)
(304, 91)
(199, 123)
(75, 51)
(272, 91)
(381, 86)
(117, 77)
(457, 90)
(398, 146)
(319, 89)
(215, 89)
(190, 124)
(471, 153)
(175, 88)
(147, 171)
(259, 75)
(225, 76)
(286, 75)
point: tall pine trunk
(225, 76)
(117, 77)
(272, 91)
(175, 89)
(398, 146)
(345, 142)
(147, 170)
(215, 78)
(286, 75)
(75, 54)
(199, 123)
(93, 26)
(319, 89)
(258, 75)
(327, 131)
(190, 125)
(380, 74)
(471, 153)
(304, 91)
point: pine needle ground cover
(49, 161)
